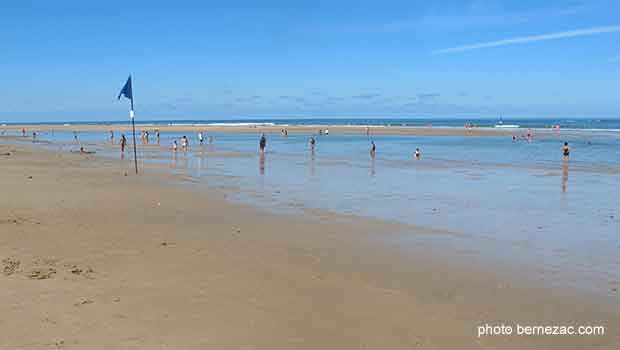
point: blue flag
(126, 91)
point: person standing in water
(200, 138)
(174, 146)
(262, 143)
(123, 143)
(157, 135)
(373, 149)
(184, 143)
(112, 136)
(417, 154)
(565, 151)
(312, 142)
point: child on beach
(174, 146)
(565, 151)
(112, 136)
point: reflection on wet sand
(261, 163)
(564, 175)
(174, 162)
(312, 162)
(202, 163)
(372, 166)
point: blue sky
(234, 59)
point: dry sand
(93, 259)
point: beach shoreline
(295, 129)
(168, 265)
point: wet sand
(94, 257)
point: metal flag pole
(127, 92)
(133, 128)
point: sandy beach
(94, 257)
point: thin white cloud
(532, 38)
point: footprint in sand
(10, 266)
(84, 302)
(42, 273)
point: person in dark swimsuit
(312, 142)
(262, 143)
(373, 149)
(565, 151)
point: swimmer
(417, 154)
(312, 142)
(200, 138)
(373, 149)
(565, 151)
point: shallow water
(510, 202)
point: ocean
(538, 123)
